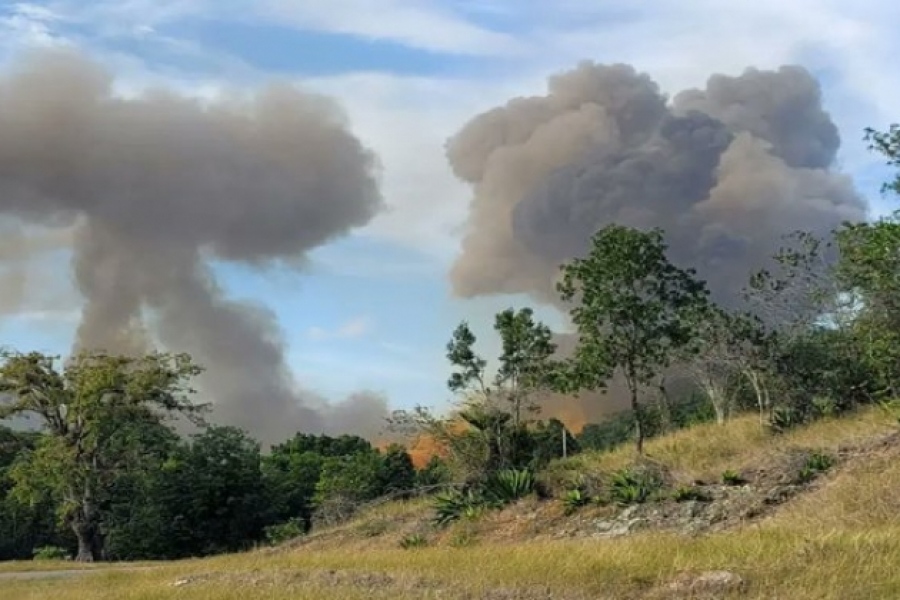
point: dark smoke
(726, 171)
(155, 187)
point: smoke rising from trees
(152, 188)
(726, 171)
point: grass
(708, 450)
(25, 566)
(839, 542)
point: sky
(374, 310)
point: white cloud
(25, 25)
(354, 328)
(424, 24)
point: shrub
(51, 553)
(784, 418)
(817, 462)
(464, 537)
(509, 485)
(282, 532)
(731, 477)
(633, 486)
(689, 493)
(825, 406)
(454, 505)
(574, 499)
(415, 540)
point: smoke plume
(726, 171)
(153, 188)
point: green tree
(24, 526)
(223, 506)
(83, 408)
(524, 362)
(887, 143)
(345, 484)
(632, 313)
(292, 469)
(397, 473)
(434, 473)
(869, 271)
(139, 514)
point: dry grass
(841, 542)
(25, 566)
(706, 451)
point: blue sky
(374, 310)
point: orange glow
(424, 448)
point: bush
(464, 538)
(817, 462)
(784, 418)
(509, 485)
(415, 540)
(633, 486)
(51, 553)
(730, 477)
(574, 499)
(454, 505)
(282, 532)
(688, 494)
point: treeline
(167, 497)
(172, 498)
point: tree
(345, 484)
(23, 526)
(83, 408)
(223, 505)
(869, 271)
(887, 143)
(796, 295)
(292, 470)
(632, 312)
(397, 473)
(138, 512)
(725, 347)
(524, 362)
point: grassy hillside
(837, 537)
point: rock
(189, 580)
(710, 582)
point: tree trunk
(665, 406)
(87, 531)
(638, 420)
(719, 401)
(89, 546)
(761, 400)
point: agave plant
(509, 485)
(633, 487)
(454, 505)
(574, 499)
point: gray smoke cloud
(726, 171)
(150, 189)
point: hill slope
(833, 535)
